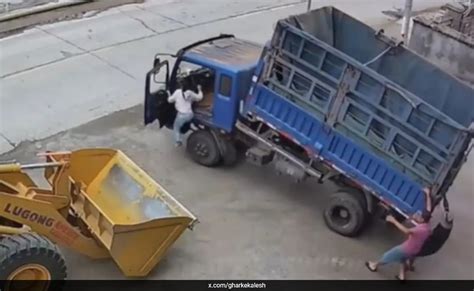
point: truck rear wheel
(345, 214)
(31, 260)
(203, 148)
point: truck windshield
(193, 75)
(186, 68)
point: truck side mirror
(156, 62)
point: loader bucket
(134, 218)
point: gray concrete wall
(446, 38)
(11, 5)
(449, 53)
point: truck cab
(222, 65)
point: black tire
(360, 196)
(29, 249)
(341, 181)
(203, 148)
(345, 214)
(229, 156)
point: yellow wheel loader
(99, 204)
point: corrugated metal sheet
(234, 53)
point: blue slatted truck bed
(327, 97)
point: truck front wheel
(203, 148)
(229, 156)
(345, 214)
(29, 259)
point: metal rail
(16, 167)
(25, 18)
(41, 165)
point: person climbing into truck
(183, 98)
(413, 244)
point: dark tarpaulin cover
(405, 68)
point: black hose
(446, 204)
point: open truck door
(156, 103)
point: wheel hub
(29, 277)
(201, 150)
(341, 215)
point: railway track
(19, 20)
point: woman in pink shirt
(412, 245)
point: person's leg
(180, 120)
(394, 255)
(401, 273)
(178, 123)
(410, 264)
(391, 256)
(405, 263)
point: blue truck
(327, 97)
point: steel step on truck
(328, 97)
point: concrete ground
(254, 224)
(58, 76)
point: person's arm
(172, 97)
(427, 192)
(196, 97)
(400, 226)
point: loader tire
(31, 259)
(345, 214)
(203, 148)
